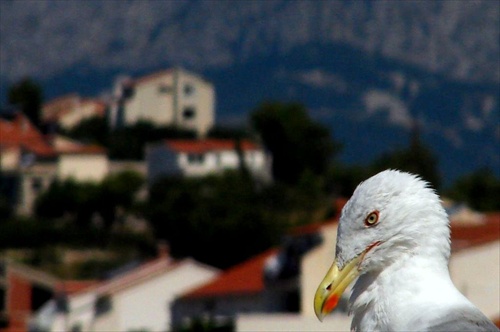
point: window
(196, 158)
(189, 113)
(162, 89)
(36, 184)
(102, 305)
(189, 90)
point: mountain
(367, 69)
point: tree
(80, 201)
(480, 189)
(93, 130)
(129, 142)
(417, 159)
(28, 95)
(296, 143)
(219, 220)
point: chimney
(163, 249)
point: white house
(275, 290)
(191, 158)
(136, 300)
(30, 162)
(69, 110)
(170, 97)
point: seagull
(394, 237)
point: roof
(21, 133)
(74, 286)
(60, 106)
(64, 145)
(207, 145)
(244, 278)
(465, 235)
(138, 275)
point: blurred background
(180, 165)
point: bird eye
(371, 219)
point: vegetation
(27, 94)
(220, 220)
(83, 201)
(297, 143)
(481, 190)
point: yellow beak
(333, 286)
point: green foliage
(222, 220)
(5, 207)
(417, 159)
(480, 190)
(217, 220)
(81, 201)
(228, 133)
(297, 143)
(94, 130)
(28, 95)
(343, 180)
(129, 142)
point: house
(30, 162)
(173, 97)
(137, 299)
(69, 110)
(274, 291)
(267, 285)
(23, 290)
(192, 158)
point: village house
(135, 299)
(193, 158)
(23, 290)
(274, 291)
(69, 110)
(173, 97)
(30, 161)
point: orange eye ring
(372, 218)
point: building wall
(314, 266)
(18, 303)
(476, 273)
(9, 158)
(83, 167)
(32, 183)
(174, 97)
(146, 306)
(220, 306)
(81, 110)
(152, 100)
(290, 322)
(161, 161)
(194, 94)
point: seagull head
(390, 216)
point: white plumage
(394, 234)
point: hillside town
(172, 287)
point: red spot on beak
(331, 303)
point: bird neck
(401, 293)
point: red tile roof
(464, 236)
(20, 132)
(206, 145)
(244, 278)
(74, 286)
(57, 108)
